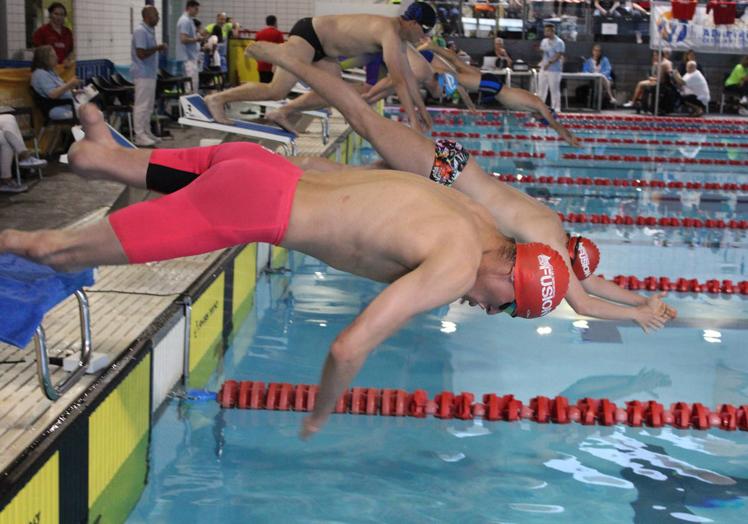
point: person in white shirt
(553, 49)
(188, 42)
(694, 89)
(144, 72)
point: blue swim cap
(447, 83)
(422, 13)
(428, 55)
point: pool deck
(124, 301)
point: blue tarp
(27, 291)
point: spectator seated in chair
(737, 84)
(693, 88)
(664, 67)
(48, 85)
(598, 63)
(11, 145)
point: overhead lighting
(580, 324)
(448, 327)
(544, 330)
(318, 275)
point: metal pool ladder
(52, 391)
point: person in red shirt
(269, 34)
(56, 34)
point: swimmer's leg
(521, 100)
(281, 85)
(98, 156)
(401, 147)
(306, 102)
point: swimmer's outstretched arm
(521, 100)
(543, 225)
(442, 278)
(599, 287)
(395, 57)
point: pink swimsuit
(220, 196)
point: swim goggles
(577, 243)
(510, 308)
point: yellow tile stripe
(39, 500)
(245, 269)
(116, 427)
(206, 325)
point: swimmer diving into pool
(516, 214)
(432, 246)
(442, 73)
(319, 41)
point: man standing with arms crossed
(144, 71)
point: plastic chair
(116, 100)
(46, 105)
(120, 81)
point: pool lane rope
(675, 186)
(447, 405)
(712, 286)
(456, 114)
(591, 139)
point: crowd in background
(199, 47)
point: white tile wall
(251, 14)
(15, 16)
(102, 28)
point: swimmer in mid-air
(433, 246)
(516, 214)
(319, 41)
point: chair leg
(39, 171)
(129, 127)
(18, 168)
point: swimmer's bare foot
(94, 125)
(279, 118)
(215, 105)
(85, 156)
(98, 156)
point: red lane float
(656, 159)
(646, 129)
(681, 285)
(649, 221)
(447, 405)
(626, 142)
(721, 121)
(673, 185)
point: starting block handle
(52, 391)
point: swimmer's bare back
(382, 224)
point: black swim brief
(449, 160)
(490, 86)
(304, 29)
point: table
(508, 73)
(594, 77)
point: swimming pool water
(213, 465)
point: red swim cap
(541, 279)
(584, 255)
